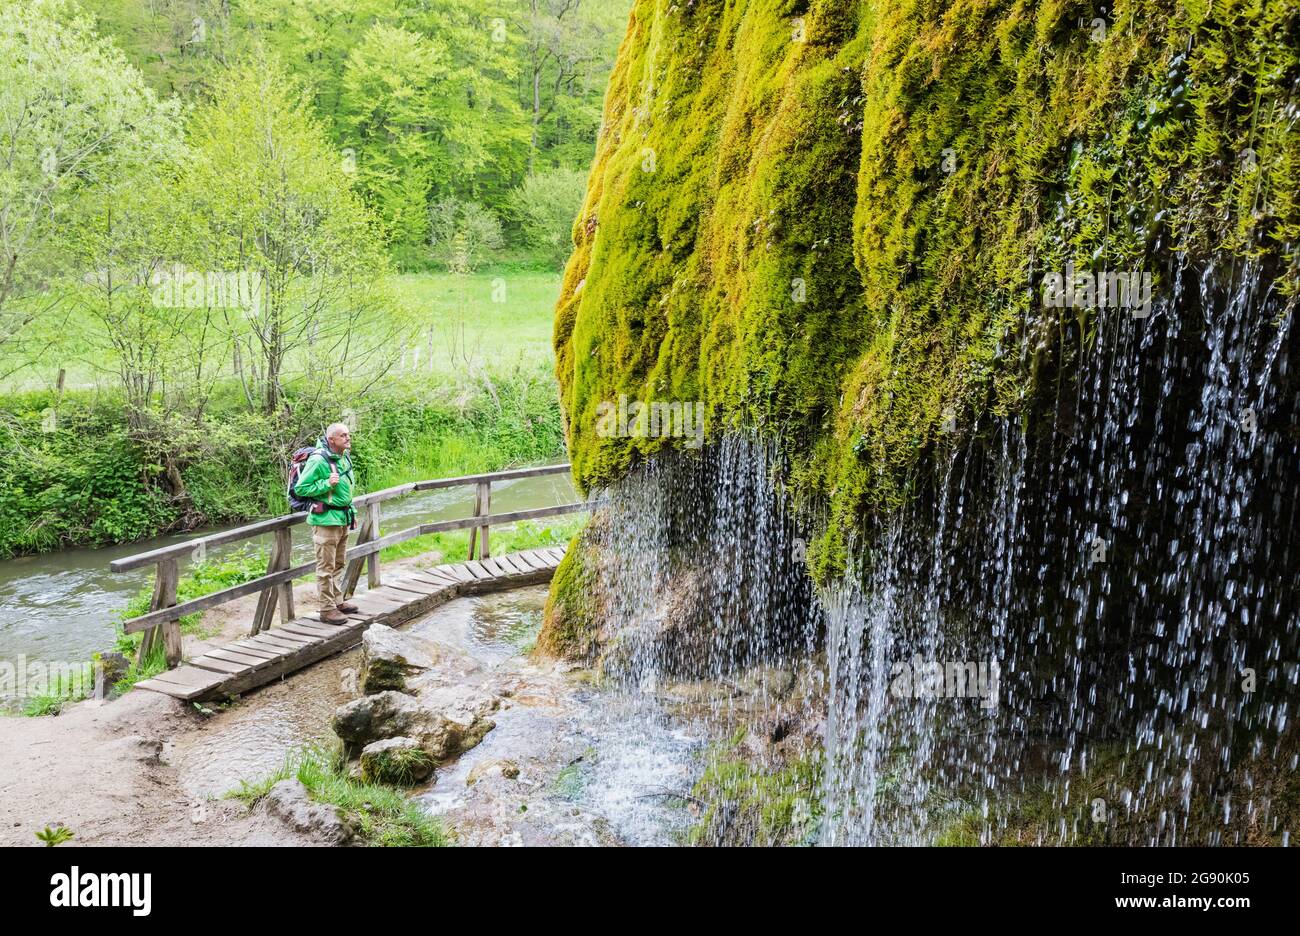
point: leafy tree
(463, 234)
(280, 212)
(75, 118)
(546, 204)
(568, 49)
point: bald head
(339, 436)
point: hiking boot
(333, 617)
(346, 606)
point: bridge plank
(231, 654)
(393, 597)
(534, 561)
(311, 628)
(278, 638)
(414, 586)
(371, 609)
(255, 661)
(219, 666)
(252, 649)
(438, 576)
(514, 566)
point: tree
(569, 47)
(74, 117)
(281, 217)
(546, 205)
(420, 121)
(462, 234)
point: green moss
(569, 620)
(397, 767)
(908, 171)
(1110, 803)
(749, 804)
(382, 816)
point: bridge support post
(353, 573)
(482, 507)
(372, 560)
(166, 577)
(284, 543)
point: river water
(60, 606)
(595, 766)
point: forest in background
(228, 223)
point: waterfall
(1128, 561)
(1088, 609)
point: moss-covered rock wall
(829, 220)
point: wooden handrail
(176, 550)
(276, 587)
(359, 551)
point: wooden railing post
(284, 542)
(482, 507)
(372, 561)
(281, 547)
(166, 576)
(353, 574)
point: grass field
(498, 321)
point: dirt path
(96, 770)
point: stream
(60, 606)
(594, 765)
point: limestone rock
(389, 658)
(495, 768)
(457, 719)
(396, 761)
(374, 717)
(445, 720)
(290, 801)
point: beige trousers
(331, 545)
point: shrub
(463, 234)
(546, 204)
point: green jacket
(314, 482)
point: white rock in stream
(290, 801)
(391, 658)
(445, 720)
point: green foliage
(75, 121)
(56, 835)
(275, 202)
(546, 204)
(748, 804)
(60, 491)
(570, 622)
(463, 234)
(773, 224)
(382, 816)
(76, 480)
(440, 98)
(60, 693)
(153, 663)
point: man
(327, 478)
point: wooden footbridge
(271, 651)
